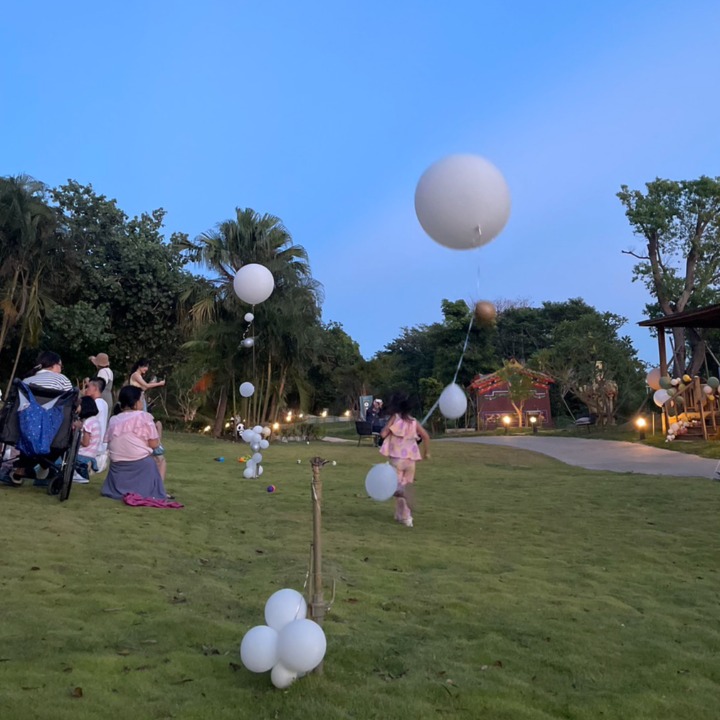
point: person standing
(137, 378)
(400, 445)
(102, 362)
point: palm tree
(27, 227)
(282, 349)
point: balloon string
(457, 370)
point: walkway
(606, 455)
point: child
(90, 441)
(400, 445)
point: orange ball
(485, 312)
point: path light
(533, 422)
(289, 417)
(324, 413)
(207, 428)
(641, 424)
(276, 426)
(346, 413)
(506, 423)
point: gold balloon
(485, 312)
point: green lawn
(527, 589)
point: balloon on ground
(253, 283)
(462, 201)
(301, 645)
(283, 607)
(281, 677)
(259, 649)
(381, 482)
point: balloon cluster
(667, 388)
(289, 645)
(677, 428)
(257, 438)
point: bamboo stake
(318, 607)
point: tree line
(77, 274)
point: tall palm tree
(281, 322)
(27, 234)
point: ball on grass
(271, 488)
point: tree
(680, 225)
(520, 386)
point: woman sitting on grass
(131, 437)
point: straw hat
(100, 360)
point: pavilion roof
(708, 317)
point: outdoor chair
(364, 430)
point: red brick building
(492, 399)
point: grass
(526, 590)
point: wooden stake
(318, 607)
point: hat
(100, 360)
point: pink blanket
(136, 500)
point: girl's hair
(46, 359)
(142, 362)
(128, 398)
(399, 404)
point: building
(493, 402)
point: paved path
(606, 455)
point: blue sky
(327, 113)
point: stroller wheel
(55, 485)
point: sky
(326, 114)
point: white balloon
(301, 645)
(660, 397)
(249, 317)
(257, 458)
(266, 431)
(254, 445)
(247, 389)
(248, 342)
(259, 470)
(259, 649)
(462, 201)
(281, 677)
(249, 473)
(257, 430)
(453, 401)
(381, 482)
(253, 283)
(283, 607)
(247, 435)
(250, 465)
(264, 444)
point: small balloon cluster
(289, 645)
(257, 438)
(677, 428)
(667, 388)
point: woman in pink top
(131, 437)
(400, 446)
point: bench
(586, 421)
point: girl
(400, 445)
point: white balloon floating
(301, 645)
(264, 444)
(247, 389)
(453, 402)
(253, 283)
(660, 397)
(381, 482)
(283, 607)
(281, 677)
(249, 317)
(259, 649)
(462, 201)
(248, 342)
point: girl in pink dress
(400, 445)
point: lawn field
(526, 590)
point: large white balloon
(462, 201)
(253, 283)
(281, 677)
(453, 401)
(247, 389)
(381, 482)
(660, 397)
(259, 649)
(301, 645)
(283, 607)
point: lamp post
(533, 422)
(641, 424)
(506, 423)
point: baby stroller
(62, 449)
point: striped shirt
(49, 379)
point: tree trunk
(6, 322)
(220, 412)
(280, 392)
(21, 344)
(265, 415)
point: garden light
(641, 424)
(533, 422)
(506, 422)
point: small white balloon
(247, 389)
(281, 677)
(255, 446)
(248, 342)
(453, 401)
(381, 482)
(266, 431)
(259, 470)
(249, 473)
(249, 317)
(301, 645)
(257, 458)
(247, 435)
(660, 397)
(264, 444)
(250, 465)
(259, 649)
(257, 430)
(462, 201)
(284, 606)
(253, 283)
